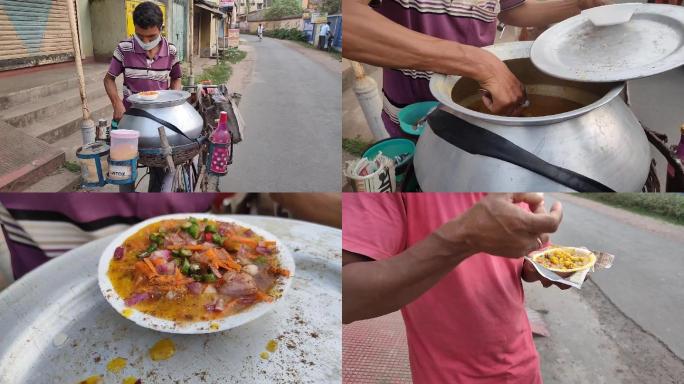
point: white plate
(217, 325)
(651, 42)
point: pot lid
(650, 42)
(162, 98)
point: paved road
(293, 113)
(625, 325)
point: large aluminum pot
(170, 106)
(601, 140)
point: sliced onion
(215, 271)
(164, 254)
(248, 233)
(263, 250)
(216, 306)
(219, 305)
(136, 298)
(118, 253)
(195, 288)
(167, 269)
(210, 289)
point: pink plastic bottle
(221, 152)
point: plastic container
(410, 114)
(394, 148)
(93, 159)
(124, 144)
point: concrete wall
(108, 26)
(297, 23)
(84, 28)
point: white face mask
(150, 45)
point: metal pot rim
(441, 86)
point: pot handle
(479, 141)
(142, 113)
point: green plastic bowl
(393, 147)
(410, 115)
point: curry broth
(540, 105)
(183, 307)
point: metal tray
(56, 327)
(651, 42)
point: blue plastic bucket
(391, 148)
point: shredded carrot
(232, 264)
(279, 271)
(261, 296)
(152, 267)
(234, 242)
(141, 267)
(158, 261)
(269, 243)
(215, 262)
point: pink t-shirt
(471, 327)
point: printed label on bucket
(120, 172)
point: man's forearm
(536, 13)
(372, 38)
(375, 288)
(176, 84)
(112, 92)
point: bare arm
(372, 38)
(322, 208)
(375, 288)
(176, 84)
(113, 93)
(495, 225)
(540, 13)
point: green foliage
(72, 166)
(330, 6)
(281, 9)
(286, 34)
(234, 55)
(355, 146)
(216, 74)
(665, 206)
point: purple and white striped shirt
(471, 22)
(140, 72)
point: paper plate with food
(196, 273)
(565, 261)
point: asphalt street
(292, 110)
(625, 324)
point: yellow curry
(563, 259)
(195, 269)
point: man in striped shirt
(147, 60)
(412, 39)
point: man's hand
(530, 274)
(507, 92)
(119, 110)
(498, 226)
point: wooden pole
(366, 90)
(87, 125)
(191, 38)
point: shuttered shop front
(34, 32)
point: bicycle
(183, 168)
